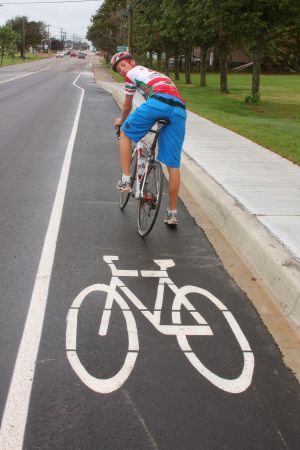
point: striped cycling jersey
(148, 82)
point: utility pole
(49, 42)
(130, 20)
(23, 38)
(61, 38)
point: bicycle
(146, 188)
(104, 386)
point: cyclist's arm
(125, 111)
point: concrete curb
(268, 260)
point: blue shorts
(171, 136)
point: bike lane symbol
(202, 328)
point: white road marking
(108, 385)
(16, 408)
(26, 74)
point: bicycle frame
(150, 156)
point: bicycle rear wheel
(124, 196)
(150, 199)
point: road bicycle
(181, 304)
(146, 180)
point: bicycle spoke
(150, 200)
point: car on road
(60, 54)
(73, 54)
(81, 55)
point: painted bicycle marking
(202, 328)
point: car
(73, 54)
(81, 55)
(60, 54)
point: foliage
(252, 99)
(8, 40)
(108, 26)
(35, 32)
(267, 30)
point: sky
(73, 18)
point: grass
(8, 60)
(274, 123)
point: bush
(252, 99)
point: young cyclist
(163, 102)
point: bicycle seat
(163, 121)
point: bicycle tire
(235, 385)
(124, 196)
(101, 385)
(149, 202)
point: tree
(108, 27)
(223, 19)
(8, 40)
(33, 33)
(177, 32)
(205, 36)
(146, 29)
(264, 21)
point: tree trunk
(256, 70)
(188, 67)
(150, 59)
(204, 51)
(223, 69)
(167, 62)
(223, 55)
(176, 62)
(159, 61)
(2, 54)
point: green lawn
(274, 123)
(8, 60)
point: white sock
(125, 178)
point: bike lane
(165, 403)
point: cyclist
(163, 102)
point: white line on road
(16, 408)
(27, 74)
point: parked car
(81, 55)
(60, 54)
(73, 54)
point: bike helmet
(117, 58)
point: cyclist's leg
(135, 127)
(174, 185)
(170, 147)
(125, 153)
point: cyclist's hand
(118, 122)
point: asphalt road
(166, 396)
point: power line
(58, 1)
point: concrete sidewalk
(251, 195)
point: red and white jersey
(149, 82)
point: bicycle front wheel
(124, 196)
(150, 198)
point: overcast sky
(73, 18)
